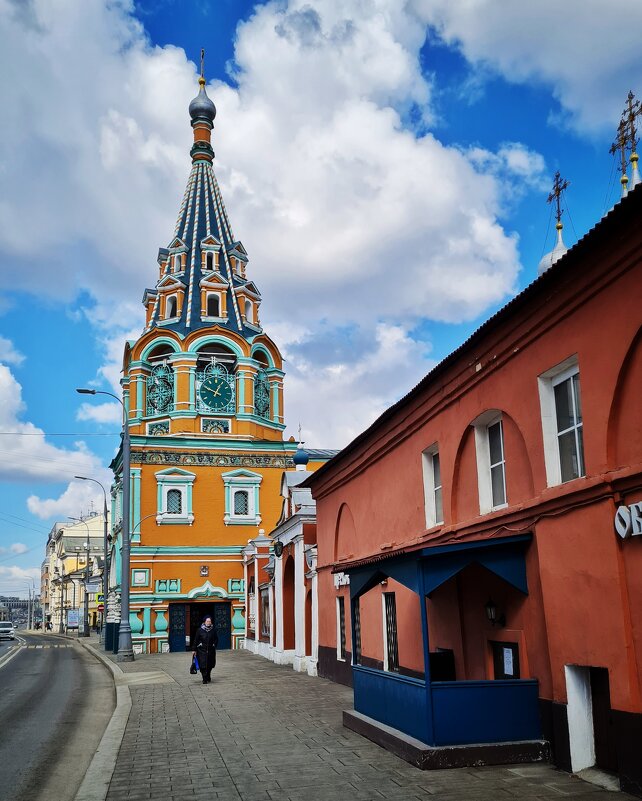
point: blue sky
(386, 166)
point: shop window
(341, 628)
(562, 422)
(433, 500)
(390, 642)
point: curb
(95, 785)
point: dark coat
(205, 644)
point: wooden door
(177, 627)
(223, 624)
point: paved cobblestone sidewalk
(260, 732)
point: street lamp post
(125, 650)
(106, 555)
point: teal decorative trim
(235, 586)
(160, 341)
(187, 550)
(135, 503)
(160, 624)
(242, 481)
(158, 428)
(140, 577)
(151, 598)
(207, 590)
(136, 624)
(167, 585)
(147, 620)
(213, 425)
(238, 621)
(212, 459)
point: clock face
(215, 392)
(159, 394)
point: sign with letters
(628, 520)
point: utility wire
(570, 219)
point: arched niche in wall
(624, 433)
(345, 534)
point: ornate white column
(278, 602)
(312, 576)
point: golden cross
(620, 144)
(631, 111)
(202, 62)
(559, 185)
(299, 432)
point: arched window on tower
(159, 382)
(262, 388)
(177, 263)
(170, 309)
(213, 305)
(209, 261)
(249, 316)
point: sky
(386, 165)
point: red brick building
(480, 577)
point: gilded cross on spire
(559, 185)
(202, 62)
(632, 111)
(620, 146)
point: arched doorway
(288, 604)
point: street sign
(101, 607)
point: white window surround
(171, 305)
(341, 602)
(547, 382)
(242, 481)
(482, 450)
(431, 488)
(174, 479)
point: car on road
(7, 631)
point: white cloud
(349, 217)
(9, 354)
(101, 412)
(587, 51)
(17, 578)
(27, 457)
(18, 547)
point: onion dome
(558, 251)
(301, 458)
(202, 108)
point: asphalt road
(55, 702)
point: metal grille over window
(241, 503)
(174, 502)
(356, 650)
(568, 411)
(160, 389)
(342, 627)
(262, 395)
(391, 631)
(215, 389)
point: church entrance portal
(185, 618)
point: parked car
(7, 631)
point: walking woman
(205, 644)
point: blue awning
(503, 556)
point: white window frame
(181, 480)
(169, 316)
(482, 450)
(235, 481)
(207, 303)
(547, 382)
(430, 488)
(340, 599)
(177, 263)
(249, 307)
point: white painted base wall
(580, 717)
